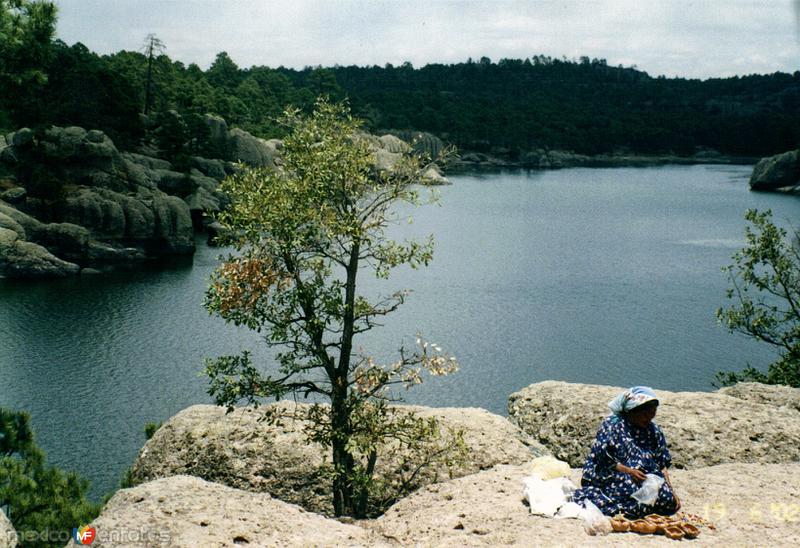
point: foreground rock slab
(240, 451)
(702, 428)
(8, 536)
(183, 511)
(750, 504)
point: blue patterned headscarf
(631, 399)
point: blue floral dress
(619, 441)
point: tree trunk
(343, 463)
(344, 498)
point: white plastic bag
(549, 467)
(546, 497)
(594, 522)
(648, 492)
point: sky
(694, 39)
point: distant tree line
(507, 107)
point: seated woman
(628, 446)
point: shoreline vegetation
(557, 159)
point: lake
(607, 276)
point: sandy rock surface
(183, 511)
(702, 428)
(778, 395)
(750, 504)
(239, 451)
(8, 537)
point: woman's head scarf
(631, 399)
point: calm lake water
(607, 276)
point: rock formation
(702, 428)
(8, 537)
(95, 207)
(775, 172)
(486, 509)
(239, 451)
(749, 504)
(189, 512)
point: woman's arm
(635, 473)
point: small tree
(302, 236)
(40, 499)
(765, 288)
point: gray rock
(782, 170)
(218, 134)
(175, 182)
(247, 149)
(95, 136)
(209, 168)
(8, 536)
(8, 238)
(433, 176)
(104, 217)
(14, 195)
(746, 502)
(173, 225)
(21, 138)
(238, 450)
(21, 259)
(421, 142)
(769, 394)
(148, 162)
(30, 224)
(183, 511)
(66, 240)
(11, 224)
(100, 253)
(385, 160)
(393, 143)
(702, 428)
(203, 201)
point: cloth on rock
(619, 441)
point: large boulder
(97, 211)
(11, 224)
(66, 240)
(14, 195)
(8, 536)
(702, 428)
(238, 450)
(750, 505)
(21, 259)
(173, 225)
(28, 223)
(779, 171)
(247, 149)
(770, 394)
(185, 511)
(217, 135)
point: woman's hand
(635, 473)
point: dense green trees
(26, 32)
(302, 237)
(509, 107)
(765, 290)
(43, 503)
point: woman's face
(643, 415)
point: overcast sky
(699, 39)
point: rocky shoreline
(207, 477)
(559, 159)
(72, 203)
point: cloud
(680, 37)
